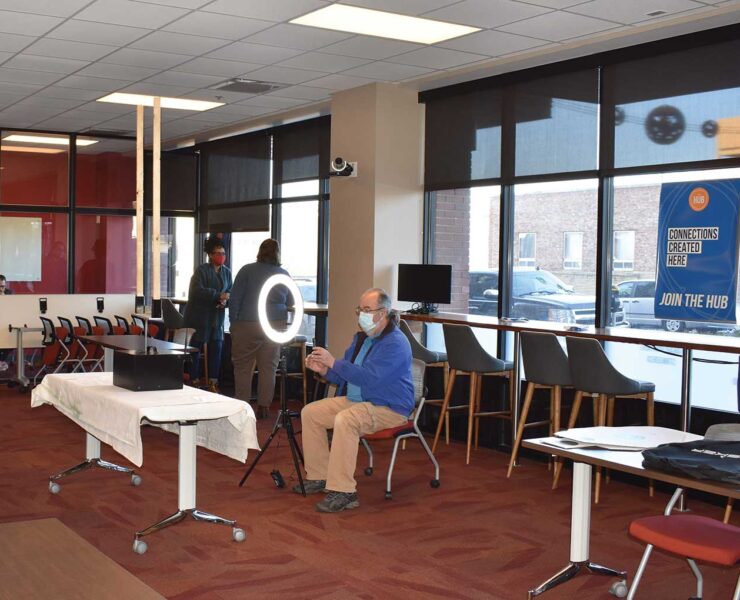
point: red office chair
(691, 536)
(403, 432)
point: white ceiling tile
(181, 3)
(123, 72)
(302, 92)
(328, 63)
(97, 33)
(272, 102)
(216, 117)
(284, 74)
(33, 114)
(339, 81)
(371, 48)
(53, 8)
(437, 58)
(126, 123)
(92, 83)
(165, 41)
(486, 13)
(145, 58)
(218, 26)
(632, 11)
(558, 26)
(10, 120)
(72, 93)
(493, 43)
(555, 3)
(189, 80)
(26, 24)
(67, 49)
(297, 36)
(63, 66)
(68, 123)
(27, 77)
(5, 56)
(59, 104)
(157, 89)
(217, 95)
(239, 110)
(13, 43)
(19, 88)
(11, 97)
(132, 14)
(213, 66)
(407, 7)
(384, 71)
(284, 10)
(255, 53)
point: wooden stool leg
(600, 410)
(556, 397)
(571, 423)
(520, 429)
(471, 412)
(446, 377)
(478, 390)
(443, 411)
(728, 510)
(610, 423)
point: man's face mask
(365, 321)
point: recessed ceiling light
(341, 17)
(142, 100)
(41, 139)
(6, 148)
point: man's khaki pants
(349, 420)
(250, 347)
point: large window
(105, 254)
(106, 174)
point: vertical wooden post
(140, 201)
(156, 150)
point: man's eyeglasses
(365, 309)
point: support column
(156, 190)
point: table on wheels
(114, 416)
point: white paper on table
(630, 438)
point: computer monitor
(426, 285)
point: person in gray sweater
(249, 345)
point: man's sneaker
(338, 501)
(313, 486)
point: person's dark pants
(214, 357)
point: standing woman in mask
(249, 345)
(210, 287)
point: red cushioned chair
(404, 432)
(691, 536)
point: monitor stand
(423, 308)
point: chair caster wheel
(434, 483)
(135, 479)
(54, 487)
(388, 496)
(140, 547)
(238, 534)
(368, 471)
(619, 589)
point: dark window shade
(301, 150)
(557, 123)
(179, 180)
(235, 171)
(674, 107)
(462, 139)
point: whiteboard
(20, 248)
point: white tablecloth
(114, 415)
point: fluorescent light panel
(165, 102)
(32, 149)
(42, 139)
(341, 17)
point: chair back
(464, 352)
(171, 316)
(85, 322)
(49, 331)
(545, 361)
(67, 324)
(122, 323)
(104, 323)
(591, 371)
(139, 322)
(726, 432)
(418, 368)
(417, 349)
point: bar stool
(546, 367)
(431, 359)
(592, 373)
(465, 355)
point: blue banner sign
(697, 251)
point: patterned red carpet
(478, 536)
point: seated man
(376, 392)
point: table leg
(186, 485)
(108, 355)
(515, 389)
(580, 527)
(20, 359)
(686, 362)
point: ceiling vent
(248, 86)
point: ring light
(280, 337)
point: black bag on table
(703, 459)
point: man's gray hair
(384, 301)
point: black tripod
(284, 421)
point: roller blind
(301, 150)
